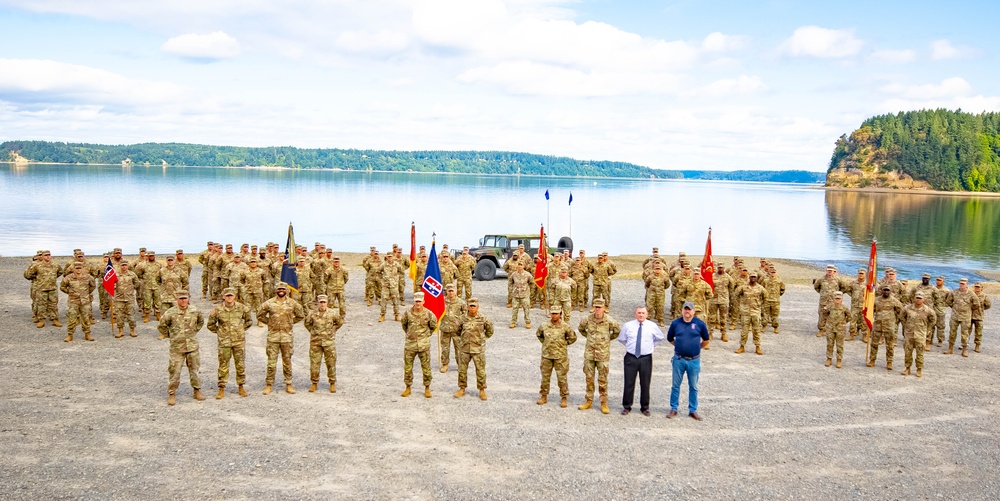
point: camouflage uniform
(751, 298)
(474, 331)
(449, 272)
(857, 290)
(678, 291)
(203, 258)
(523, 281)
(939, 298)
(148, 272)
(888, 311)
(837, 319)
(917, 324)
(182, 326)
(774, 287)
(322, 327)
(421, 270)
(700, 293)
(317, 270)
(579, 271)
(562, 296)
(230, 324)
(509, 267)
(280, 314)
(373, 270)
(718, 307)
(602, 281)
(977, 317)
(125, 300)
(170, 281)
(79, 288)
(454, 313)
(656, 294)
(597, 352)
(555, 338)
(826, 286)
(418, 324)
(305, 294)
(43, 275)
(336, 279)
(466, 264)
(963, 304)
(390, 289)
(252, 281)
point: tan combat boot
(260, 324)
(829, 362)
(162, 336)
(604, 406)
(267, 389)
(221, 393)
(55, 322)
(741, 349)
(131, 331)
(759, 351)
(707, 343)
(444, 369)
(427, 392)
(920, 372)
(906, 372)
(724, 338)
(527, 325)
(586, 405)
(86, 337)
(482, 394)
(289, 389)
(333, 387)
(171, 399)
(381, 318)
(460, 393)
(406, 392)
(964, 354)
(819, 334)
(119, 333)
(198, 395)
(977, 348)
(145, 318)
(395, 318)
(871, 363)
(839, 363)
(312, 388)
(775, 330)
(951, 349)
(888, 365)
(242, 392)
(563, 403)
(542, 400)
(513, 324)
(69, 337)
(157, 315)
(40, 324)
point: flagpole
(871, 279)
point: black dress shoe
(672, 414)
(695, 416)
(626, 411)
(645, 412)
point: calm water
(97, 208)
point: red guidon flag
(110, 278)
(541, 266)
(413, 251)
(707, 266)
(868, 309)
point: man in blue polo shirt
(688, 335)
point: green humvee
(495, 249)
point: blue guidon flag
(432, 286)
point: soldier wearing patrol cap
(181, 324)
(977, 316)
(230, 321)
(938, 299)
(474, 330)
(455, 310)
(826, 286)
(43, 274)
(837, 319)
(888, 310)
(322, 324)
(280, 313)
(418, 323)
(79, 287)
(964, 304)
(750, 297)
(918, 320)
(555, 335)
(336, 278)
(599, 328)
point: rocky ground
(90, 419)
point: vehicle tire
(565, 243)
(486, 270)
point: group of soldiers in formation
(246, 283)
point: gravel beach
(90, 420)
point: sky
(688, 84)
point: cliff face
(876, 178)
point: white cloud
(51, 82)
(943, 49)
(949, 87)
(951, 93)
(719, 42)
(382, 41)
(741, 86)
(450, 111)
(893, 56)
(531, 78)
(211, 46)
(813, 41)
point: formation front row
(230, 319)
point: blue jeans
(692, 368)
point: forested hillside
(940, 149)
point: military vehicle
(495, 249)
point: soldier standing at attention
(183, 263)
(151, 300)
(454, 313)
(390, 288)
(280, 313)
(43, 274)
(33, 290)
(171, 279)
(336, 278)
(888, 311)
(230, 321)
(964, 304)
(599, 328)
(203, 258)
(522, 282)
(918, 319)
(774, 286)
(474, 331)
(322, 325)
(306, 296)
(603, 271)
(857, 290)
(252, 281)
(826, 286)
(750, 297)
(718, 307)
(836, 324)
(977, 316)
(418, 323)
(125, 301)
(699, 293)
(656, 292)
(563, 293)
(371, 264)
(181, 324)
(939, 298)
(421, 270)
(555, 335)
(680, 278)
(509, 267)
(449, 272)
(79, 286)
(466, 264)
(928, 290)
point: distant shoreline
(986, 194)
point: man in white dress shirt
(639, 337)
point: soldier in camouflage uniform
(857, 289)
(336, 278)
(148, 272)
(599, 328)
(918, 319)
(718, 306)
(418, 323)
(964, 304)
(181, 324)
(183, 263)
(454, 313)
(826, 286)
(888, 311)
(280, 313)
(977, 316)
(466, 264)
(234, 276)
(741, 276)
(43, 274)
(79, 287)
(421, 270)
(699, 293)
(656, 292)
(125, 301)
(449, 272)
(555, 335)
(33, 288)
(928, 290)
(390, 288)
(774, 286)
(562, 295)
(171, 279)
(474, 330)
(523, 281)
(203, 258)
(94, 271)
(230, 321)
(105, 300)
(509, 267)
(939, 298)
(322, 325)
(252, 282)
(580, 274)
(402, 268)
(837, 319)
(317, 268)
(373, 268)
(602, 273)
(681, 280)
(750, 298)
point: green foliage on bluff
(950, 150)
(477, 162)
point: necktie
(638, 342)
